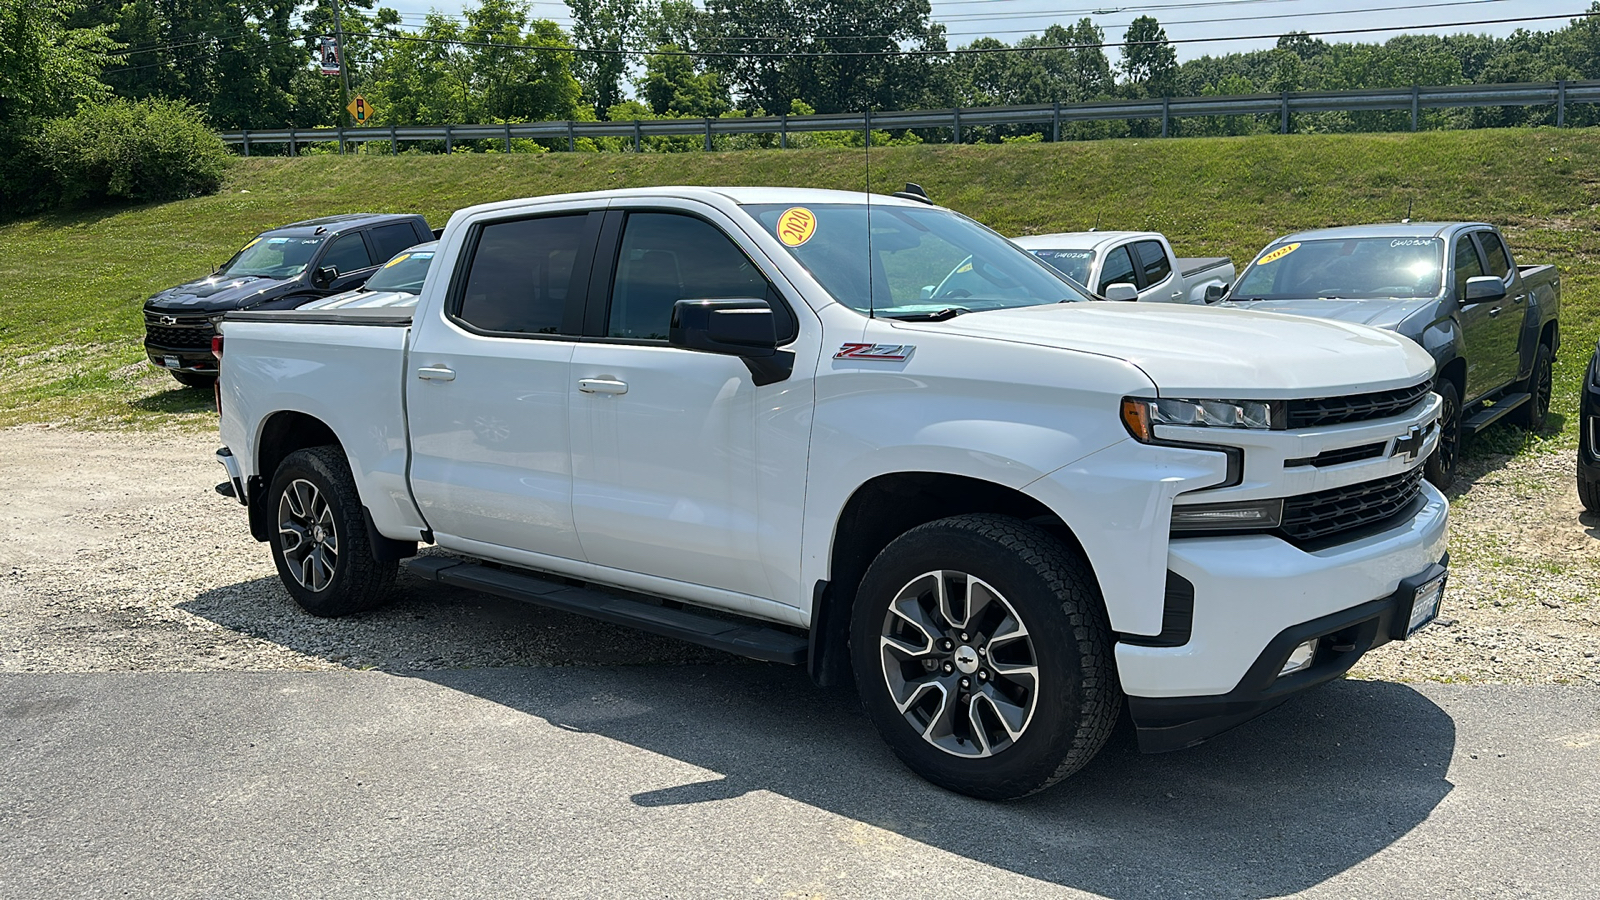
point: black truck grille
(183, 333)
(1355, 408)
(1324, 513)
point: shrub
(143, 151)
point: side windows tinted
(1466, 264)
(347, 253)
(1118, 269)
(1153, 260)
(521, 275)
(391, 239)
(667, 257)
(1495, 251)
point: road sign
(360, 110)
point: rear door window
(1118, 269)
(391, 239)
(522, 275)
(1153, 261)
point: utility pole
(344, 72)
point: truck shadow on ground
(1487, 453)
(1277, 806)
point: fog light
(1301, 658)
(1260, 515)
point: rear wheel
(983, 657)
(319, 539)
(195, 379)
(1540, 384)
(1441, 466)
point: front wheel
(983, 657)
(1441, 466)
(195, 379)
(319, 539)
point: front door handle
(1177, 293)
(602, 386)
(1495, 312)
(436, 373)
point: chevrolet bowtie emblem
(168, 320)
(1408, 444)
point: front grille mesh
(1324, 513)
(188, 333)
(1324, 411)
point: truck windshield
(273, 256)
(1351, 269)
(405, 273)
(923, 263)
(1072, 263)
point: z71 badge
(892, 352)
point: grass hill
(71, 284)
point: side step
(1502, 407)
(741, 638)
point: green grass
(71, 284)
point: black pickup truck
(278, 269)
(1452, 287)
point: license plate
(1425, 608)
(170, 362)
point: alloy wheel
(307, 535)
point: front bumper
(184, 360)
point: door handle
(1177, 293)
(1495, 312)
(602, 386)
(436, 373)
(1519, 298)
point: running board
(740, 638)
(1503, 407)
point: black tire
(337, 574)
(1588, 489)
(195, 379)
(1589, 493)
(1072, 705)
(1540, 384)
(1441, 466)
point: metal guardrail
(1415, 99)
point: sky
(1194, 26)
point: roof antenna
(1096, 222)
(1407, 219)
(867, 116)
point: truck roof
(1382, 230)
(738, 195)
(334, 224)
(1079, 240)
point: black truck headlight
(1140, 415)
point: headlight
(1140, 415)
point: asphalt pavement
(744, 781)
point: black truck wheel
(1540, 384)
(319, 539)
(1441, 466)
(982, 655)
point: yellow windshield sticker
(1278, 254)
(401, 258)
(249, 245)
(965, 267)
(796, 226)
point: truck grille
(1355, 408)
(1312, 516)
(186, 333)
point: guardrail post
(957, 120)
(1166, 114)
(449, 140)
(1561, 106)
(708, 134)
(246, 134)
(783, 131)
(508, 137)
(1283, 125)
(341, 140)
(636, 134)
(294, 145)
(1416, 104)
(394, 141)
(572, 137)
(1055, 124)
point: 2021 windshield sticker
(796, 226)
(1278, 254)
(398, 259)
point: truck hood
(215, 294)
(1380, 313)
(1206, 352)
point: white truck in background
(1132, 265)
(1002, 515)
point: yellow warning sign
(360, 110)
(1278, 254)
(796, 226)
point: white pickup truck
(1132, 265)
(726, 415)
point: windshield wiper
(949, 312)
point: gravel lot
(117, 555)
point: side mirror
(730, 327)
(1483, 287)
(324, 276)
(1215, 292)
(1121, 291)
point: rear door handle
(602, 386)
(436, 373)
(1495, 312)
(1519, 298)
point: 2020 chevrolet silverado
(1142, 262)
(1491, 325)
(1002, 519)
(278, 269)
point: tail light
(216, 346)
(216, 386)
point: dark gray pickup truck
(1451, 287)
